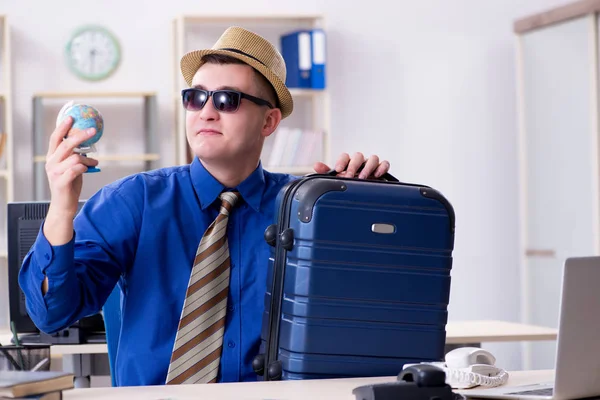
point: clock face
(93, 53)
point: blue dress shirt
(143, 231)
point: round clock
(93, 53)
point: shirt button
(231, 308)
(47, 256)
(231, 344)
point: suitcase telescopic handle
(385, 177)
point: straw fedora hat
(255, 51)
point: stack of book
(43, 385)
(293, 147)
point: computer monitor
(24, 220)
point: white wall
(442, 73)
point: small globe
(84, 117)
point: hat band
(245, 54)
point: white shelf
(306, 92)
(148, 153)
(58, 95)
(3, 255)
(274, 18)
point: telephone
(418, 382)
(467, 367)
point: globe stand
(84, 152)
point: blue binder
(304, 55)
(318, 59)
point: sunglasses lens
(226, 101)
(194, 100)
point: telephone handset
(467, 367)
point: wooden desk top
(456, 332)
(331, 389)
(67, 349)
(495, 331)
(63, 349)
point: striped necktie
(197, 349)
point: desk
(461, 333)
(85, 360)
(330, 389)
(63, 349)
(82, 360)
(457, 333)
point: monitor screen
(24, 220)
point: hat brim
(192, 61)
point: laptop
(577, 369)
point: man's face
(226, 137)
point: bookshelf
(115, 106)
(311, 113)
(6, 133)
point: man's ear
(271, 121)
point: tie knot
(229, 200)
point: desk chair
(111, 312)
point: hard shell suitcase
(358, 279)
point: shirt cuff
(60, 258)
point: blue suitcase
(358, 280)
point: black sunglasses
(224, 100)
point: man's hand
(347, 166)
(64, 168)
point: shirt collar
(208, 188)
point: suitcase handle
(385, 177)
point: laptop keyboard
(537, 392)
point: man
(192, 294)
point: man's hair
(265, 89)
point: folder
(296, 51)
(304, 52)
(318, 59)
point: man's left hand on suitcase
(347, 166)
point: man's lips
(208, 132)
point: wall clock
(93, 53)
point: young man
(192, 288)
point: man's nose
(209, 112)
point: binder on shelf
(318, 59)
(304, 54)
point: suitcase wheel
(275, 369)
(287, 239)
(271, 235)
(258, 364)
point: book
(43, 396)
(2, 143)
(27, 383)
